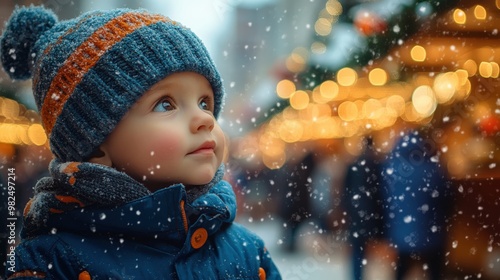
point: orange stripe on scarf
(69, 199)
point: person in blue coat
(417, 203)
(130, 102)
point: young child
(130, 102)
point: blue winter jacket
(159, 236)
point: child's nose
(201, 119)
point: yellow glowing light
(319, 98)
(418, 53)
(316, 96)
(359, 106)
(348, 129)
(463, 76)
(485, 69)
(471, 67)
(329, 89)
(370, 108)
(285, 88)
(290, 113)
(9, 133)
(388, 117)
(310, 113)
(314, 112)
(307, 132)
(396, 103)
(327, 128)
(445, 86)
(274, 162)
(37, 135)
(323, 27)
(377, 77)
(326, 15)
(497, 2)
(22, 132)
(424, 101)
(459, 16)
(494, 70)
(317, 131)
(348, 111)
(291, 131)
(410, 114)
(10, 108)
(318, 47)
(347, 77)
(333, 7)
(299, 100)
(464, 91)
(480, 12)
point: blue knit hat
(87, 72)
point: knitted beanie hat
(87, 72)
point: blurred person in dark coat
(417, 203)
(295, 191)
(362, 204)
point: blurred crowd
(394, 204)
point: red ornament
(369, 23)
(490, 125)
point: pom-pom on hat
(87, 72)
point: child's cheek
(165, 145)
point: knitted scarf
(81, 184)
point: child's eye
(164, 105)
(206, 104)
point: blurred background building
(315, 78)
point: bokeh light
(424, 101)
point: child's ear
(101, 156)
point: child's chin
(204, 182)
(204, 179)
(197, 184)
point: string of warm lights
(20, 126)
(355, 103)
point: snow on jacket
(157, 236)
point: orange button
(262, 274)
(84, 275)
(199, 238)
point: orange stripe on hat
(36, 76)
(85, 57)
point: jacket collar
(164, 215)
(91, 198)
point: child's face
(169, 135)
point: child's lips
(207, 147)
